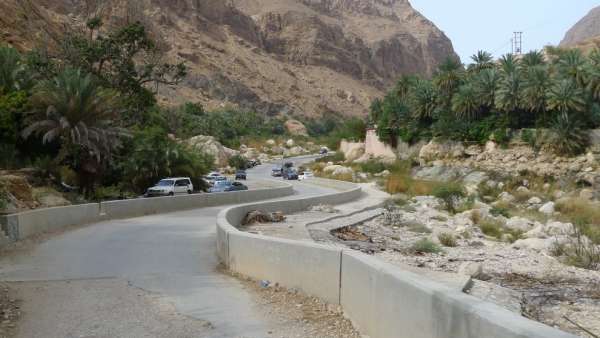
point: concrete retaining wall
(22, 225)
(382, 300)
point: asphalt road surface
(153, 276)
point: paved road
(121, 278)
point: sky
(474, 25)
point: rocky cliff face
(585, 32)
(275, 56)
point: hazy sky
(485, 24)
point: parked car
(306, 174)
(253, 163)
(171, 187)
(290, 174)
(240, 175)
(214, 177)
(323, 151)
(276, 172)
(226, 186)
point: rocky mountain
(586, 33)
(276, 56)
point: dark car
(240, 175)
(290, 174)
(323, 151)
(226, 186)
(276, 172)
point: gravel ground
(304, 316)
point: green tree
(482, 60)
(153, 156)
(423, 100)
(566, 98)
(75, 111)
(465, 103)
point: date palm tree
(535, 86)
(486, 84)
(465, 103)
(482, 60)
(508, 95)
(566, 99)
(533, 59)
(74, 110)
(12, 72)
(572, 65)
(423, 100)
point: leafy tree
(75, 111)
(153, 156)
(482, 60)
(465, 103)
(423, 100)
(566, 98)
(238, 162)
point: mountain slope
(586, 33)
(275, 56)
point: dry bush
(584, 214)
(447, 239)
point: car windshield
(165, 183)
(241, 171)
(222, 183)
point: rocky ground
(523, 276)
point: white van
(171, 187)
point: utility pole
(517, 43)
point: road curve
(73, 284)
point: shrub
(238, 162)
(425, 245)
(565, 136)
(450, 194)
(491, 228)
(584, 214)
(372, 167)
(447, 239)
(419, 228)
(579, 252)
(500, 210)
(337, 157)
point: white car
(214, 177)
(171, 187)
(306, 175)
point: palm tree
(72, 108)
(566, 98)
(423, 100)
(75, 111)
(533, 59)
(535, 87)
(486, 84)
(508, 95)
(572, 65)
(482, 60)
(449, 76)
(465, 102)
(508, 64)
(12, 72)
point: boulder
(534, 200)
(270, 143)
(294, 151)
(520, 223)
(473, 180)
(295, 127)
(547, 208)
(290, 143)
(535, 244)
(352, 150)
(506, 197)
(209, 145)
(471, 269)
(587, 194)
(337, 170)
(438, 173)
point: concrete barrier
(385, 301)
(382, 300)
(25, 224)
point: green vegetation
(578, 251)
(497, 230)
(584, 214)
(238, 162)
(487, 99)
(447, 239)
(450, 194)
(425, 245)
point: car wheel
(189, 192)
(171, 194)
